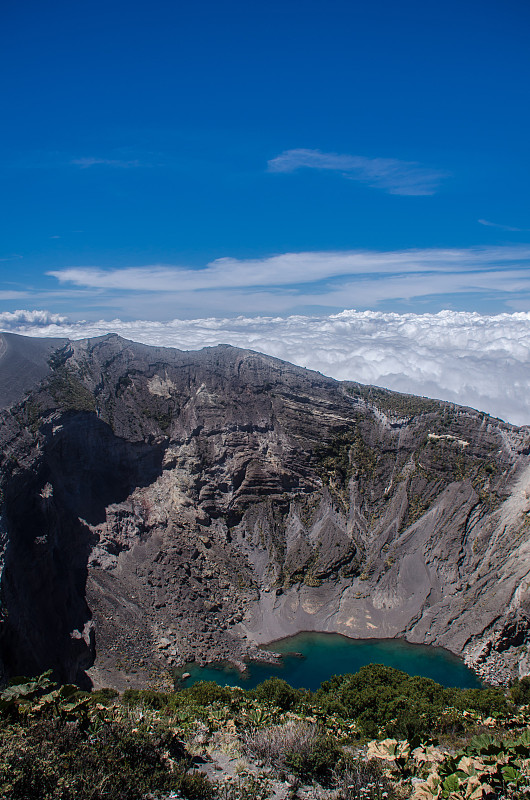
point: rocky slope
(161, 506)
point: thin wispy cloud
(8, 295)
(85, 163)
(390, 174)
(489, 224)
(468, 358)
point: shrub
(204, 693)
(277, 692)
(104, 696)
(486, 701)
(315, 759)
(356, 779)
(146, 697)
(297, 746)
(244, 786)
(196, 786)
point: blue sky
(171, 159)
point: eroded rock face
(162, 506)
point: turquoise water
(325, 654)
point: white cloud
(390, 174)
(14, 320)
(469, 358)
(502, 227)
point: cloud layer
(472, 359)
(390, 174)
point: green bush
(315, 760)
(196, 786)
(277, 692)
(104, 696)
(489, 702)
(147, 698)
(204, 693)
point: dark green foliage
(147, 698)
(489, 702)
(69, 391)
(520, 692)
(395, 403)
(104, 696)
(22, 692)
(50, 760)
(32, 415)
(346, 455)
(124, 382)
(385, 701)
(333, 459)
(278, 693)
(161, 416)
(57, 743)
(316, 760)
(59, 357)
(204, 693)
(200, 695)
(196, 786)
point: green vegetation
(333, 459)
(345, 456)
(161, 416)
(395, 403)
(32, 412)
(520, 692)
(70, 392)
(58, 743)
(388, 702)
